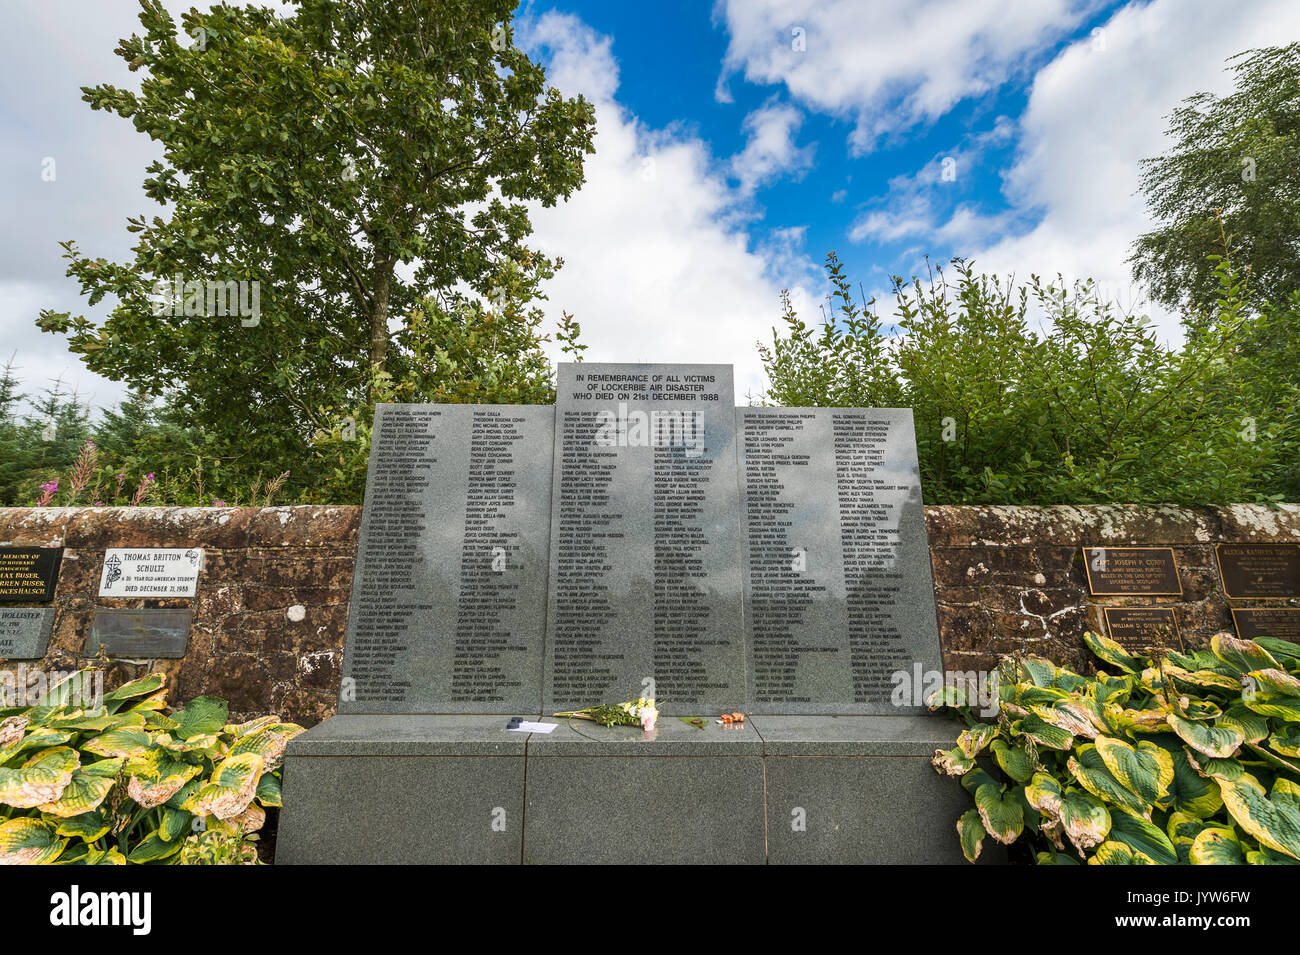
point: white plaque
(150, 572)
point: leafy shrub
(1188, 758)
(126, 783)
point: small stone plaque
(1124, 571)
(153, 633)
(25, 632)
(839, 596)
(1280, 622)
(150, 572)
(1143, 628)
(645, 584)
(28, 574)
(448, 605)
(1259, 570)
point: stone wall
(271, 605)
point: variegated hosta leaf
(1140, 721)
(1214, 768)
(1114, 853)
(1142, 836)
(12, 729)
(252, 726)
(1183, 828)
(1055, 858)
(175, 822)
(1112, 653)
(1217, 847)
(1274, 821)
(1190, 708)
(1191, 792)
(1015, 762)
(1145, 770)
(87, 827)
(157, 777)
(1241, 655)
(1276, 681)
(1272, 704)
(1082, 817)
(108, 768)
(1042, 696)
(1284, 651)
(971, 832)
(136, 688)
(1203, 678)
(970, 741)
(1253, 726)
(36, 738)
(40, 780)
(1267, 856)
(233, 785)
(1071, 716)
(152, 848)
(1090, 770)
(207, 743)
(268, 790)
(1286, 740)
(246, 823)
(28, 841)
(1220, 742)
(1044, 734)
(203, 715)
(123, 741)
(952, 762)
(1001, 813)
(1040, 671)
(83, 793)
(270, 745)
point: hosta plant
(1187, 758)
(127, 783)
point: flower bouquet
(640, 713)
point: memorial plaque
(150, 572)
(839, 597)
(1143, 628)
(1259, 570)
(449, 596)
(28, 574)
(153, 633)
(1123, 571)
(25, 632)
(1251, 622)
(645, 584)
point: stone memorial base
(778, 789)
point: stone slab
(901, 735)
(839, 593)
(449, 593)
(153, 632)
(893, 810)
(401, 810)
(671, 737)
(415, 735)
(25, 632)
(645, 587)
(644, 809)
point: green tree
(352, 162)
(1089, 407)
(1231, 183)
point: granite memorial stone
(25, 632)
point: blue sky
(738, 141)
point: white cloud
(887, 66)
(1098, 109)
(770, 150)
(658, 266)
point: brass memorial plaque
(1259, 570)
(1141, 628)
(1280, 622)
(1123, 571)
